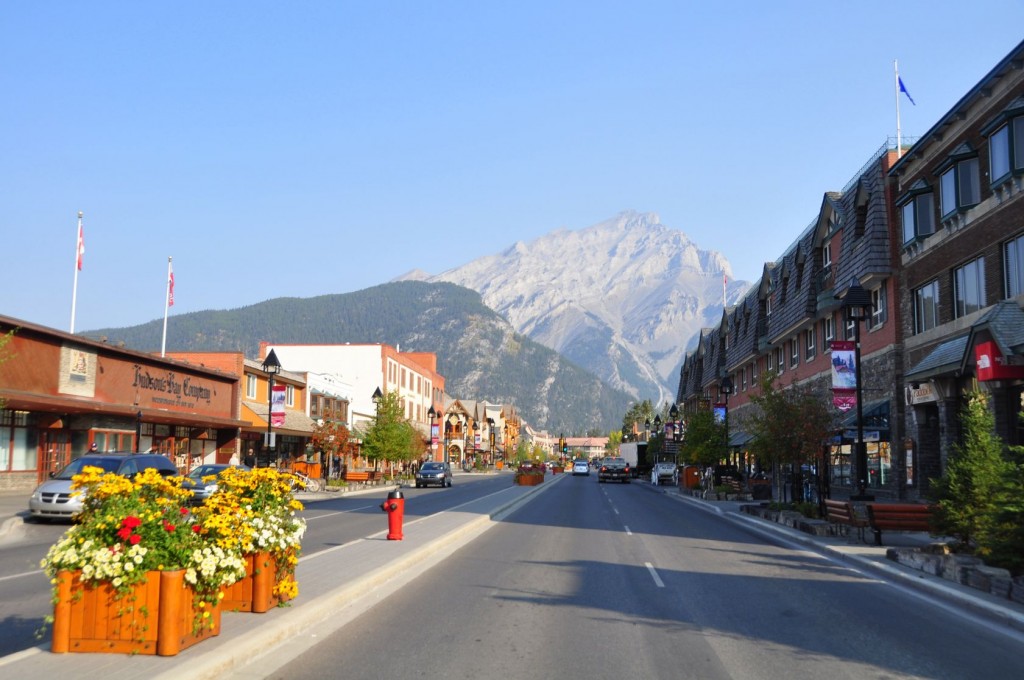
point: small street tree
(704, 444)
(789, 427)
(390, 437)
(974, 487)
(614, 439)
(331, 437)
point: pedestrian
(250, 459)
(93, 448)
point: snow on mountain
(623, 298)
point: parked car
(434, 473)
(53, 499)
(613, 469)
(581, 467)
(201, 490)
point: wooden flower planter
(255, 592)
(156, 617)
(529, 480)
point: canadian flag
(81, 245)
(170, 286)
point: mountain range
(571, 327)
(624, 298)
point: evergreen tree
(973, 490)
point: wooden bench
(734, 485)
(898, 517)
(353, 476)
(843, 512)
(375, 475)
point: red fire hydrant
(395, 507)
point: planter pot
(155, 617)
(529, 480)
(255, 592)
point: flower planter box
(529, 480)
(557, 470)
(155, 617)
(255, 592)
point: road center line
(654, 574)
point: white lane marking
(24, 573)
(657, 579)
(340, 512)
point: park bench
(843, 513)
(354, 476)
(734, 485)
(898, 517)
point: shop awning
(876, 416)
(295, 423)
(947, 358)
(740, 438)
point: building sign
(166, 388)
(922, 394)
(992, 365)
(77, 372)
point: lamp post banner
(433, 434)
(844, 400)
(844, 365)
(277, 406)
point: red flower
(184, 511)
(134, 539)
(196, 528)
(131, 522)
(168, 526)
(124, 532)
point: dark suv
(53, 499)
(434, 472)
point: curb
(917, 581)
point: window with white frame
(969, 287)
(918, 217)
(809, 349)
(960, 186)
(1013, 265)
(770, 360)
(926, 307)
(794, 352)
(743, 378)
(828, 331)
(879, 306)
(849, 325)
(289, 395)
(826, 255)
(250, 386)
(780, 361)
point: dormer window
(917, 208)
(826, 256)
(959, 181)
(1006, 143)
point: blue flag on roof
(903, 89)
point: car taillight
(627, 468)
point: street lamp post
(431, 415)
(452, 420)
(490, 438)
(857, 303)
(138, 431)
(272, 367)
(476, 433)
(647, 430)
(726, 388)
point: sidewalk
(868, 557)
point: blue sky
(306, 148)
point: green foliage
(478, 353)
(705, 439)
(971, 495)
(788, 425)
(636, 415)
(390, 437)
(614, 439)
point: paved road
(598, 581)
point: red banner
(277, 406)
(844, 400)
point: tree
(704, 444)
(331, 437)
(637, 414)
(789, 426)
(390, 437)
(973, 489)
(614, 439)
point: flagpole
(78, 265)
(167, 300)
(899, 144)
